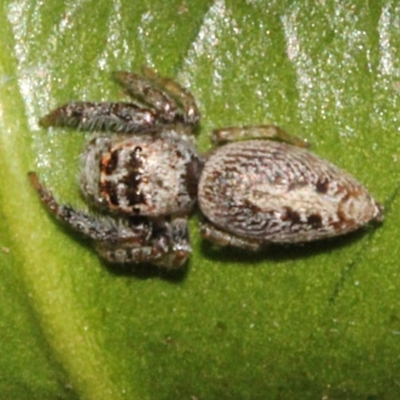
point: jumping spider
(142, 178)
(145, 178)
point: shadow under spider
(271, 252)
(280, 252)
(147, 271)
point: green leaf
(319, 321)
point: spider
(139, 171)
(145, 177)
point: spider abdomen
(275, 192)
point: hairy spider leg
(140, 88)
(157, 101)
(267, 132)
(180, 243)
(121, 117)
(96, 228)
(223, 238)
(130, 240)
(191, 113)
(168, 246)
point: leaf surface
(318, 321)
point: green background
(315, 322)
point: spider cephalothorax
(140, 170)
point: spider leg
(272, 132)
(191, 113)
(124, 248)
(168, 246)
(180, 248)
(160, 101)
(95, 228)
(119, 117)
(222, 238)
(134, 240)
(138, 87)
